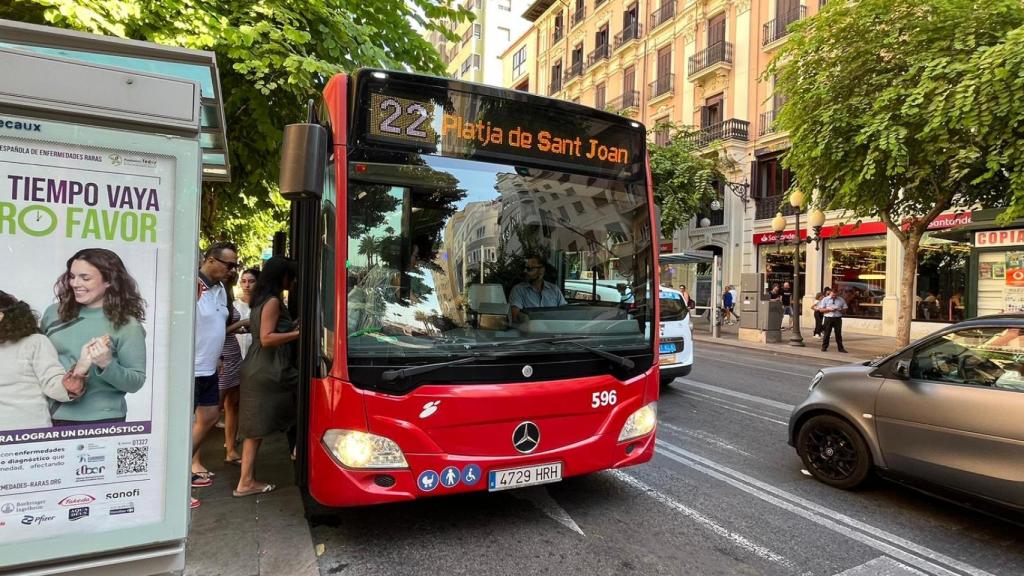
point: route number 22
(605, 398)
(417, 110)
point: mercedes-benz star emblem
(526, 437)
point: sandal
(195, 503)
(200, 480)
(243, 493)
(236, 461)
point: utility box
(750, 300)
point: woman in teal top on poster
(98, 303)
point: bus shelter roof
(687, 257)
(194, 65)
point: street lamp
(796, 200)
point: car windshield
(449, 255)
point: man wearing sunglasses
(535, 292)
(211, 322)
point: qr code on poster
(134, 460)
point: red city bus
(476, 265)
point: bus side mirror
(303, 161)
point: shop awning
(195, 65)
(687, 257)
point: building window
(599, 96)
(661, 131)
(505, 33)
(559, 28)
(467, 36)
(505, 5)
(777, 264)
(856, 269)
(524, 86)
(563, 212)
(556, 77)
(476, 30)
(579, 207)
(519, 62)
(772, 178)
(942, 270)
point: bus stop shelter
(706, 290)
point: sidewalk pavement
(261, 535)
(860, 347)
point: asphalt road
(724, 494)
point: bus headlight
(356, 449)
(640, 422)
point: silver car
(948, 410)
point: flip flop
(264, 490)
(235, 461)
(195, 503)
(201, 480)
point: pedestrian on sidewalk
(787, 305)
(269, 379)
(818, 315)
(832, 307)
(219, 260)
(727, 307)
(228, 376)
(735, 299)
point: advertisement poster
(998, 270)
(1015, 268)
(86, 238)
(1014, 299)
(985, 270)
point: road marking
(920, 557)
(731, 406)
(542, 500)
(881, 566)
(719, 390)
(702, 435)
(747, 365)
(708, 523)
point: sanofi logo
(21, 125)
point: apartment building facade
(703, 63)
(476, 56)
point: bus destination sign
(480, 127)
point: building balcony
(731, 129)
(661, 86)
(557, 35)
(767, 206)
(555, 87)
(766, 124)
(710, 59)
(628, 101)
(663, 14)
(598, 54)
(574, 70)
(578, 16)
(598, 3)
(777, 29)
(628, 34)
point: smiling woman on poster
(99, 305)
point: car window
(991, 357)
(673, 310)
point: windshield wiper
(391, 375)
(524, 341)
(619, 360)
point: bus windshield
(446, 256)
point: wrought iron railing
(575, 69)
(628, 34)
(731, 129)
(768, 206)
(766, 124)
(663, 14)
(598, 54)
(773, 30)
(717, 52)
(662, 85)
(579, 15)
(629, 99)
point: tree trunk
(910, 248)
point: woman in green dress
(269, 379)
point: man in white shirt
(832, 306)
(211, 330)
(535, 292)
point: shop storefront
(995, 279)
(862, 262)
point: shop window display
(942, 269)
(857, 270)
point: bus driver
(535, 292)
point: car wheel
(834, 452)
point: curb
(782, 349)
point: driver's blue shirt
(524, 296)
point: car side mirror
(902, 369)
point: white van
(676, 350)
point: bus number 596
(604, 398)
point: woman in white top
(30, 372)
(247, 282)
